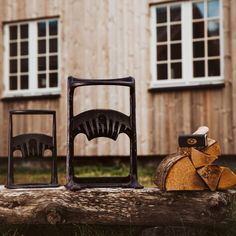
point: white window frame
(33, 89)
(187, 50)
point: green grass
(37, 173)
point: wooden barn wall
(110, 39)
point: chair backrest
(100, 123)
(32, 145)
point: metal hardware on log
(32, 146)
(197, 139)
(101, 123)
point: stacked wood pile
(192, 168)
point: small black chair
(31, 146)
(101, 123)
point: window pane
(24, 31)
(53, 62)
(161, 14)
(162, 73)
(162, 53)
(175, 13)
(53, 45)
(198, 30)
(213, 67)
(198, 68)
(213, 28)
(198, 10)
(24, 65)
(42, 81)
(24, 82)
(213, 8)
(24, 48)
(13, 49)
(175, 32)
(53, 27)
(41, 46)
(41, 63)
(176, 51)
(13, 66)
(41, 29)
(176, 70)
(213, 47)
(53, 80)
(13, 32)
(162, 34)
(13, 83)
(198, 49)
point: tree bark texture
(148, 206)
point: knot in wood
(54, 217)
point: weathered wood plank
(148, 206)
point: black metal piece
(101, 123)
(31, 146)
(193, 140)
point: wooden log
(201, 159)
(148, 206)
(213, 148)
(227, 179)
(211, 175)
(176, 172)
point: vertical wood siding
(110, 39)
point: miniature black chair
(101, 123)
(32, 145)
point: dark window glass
(53, 80)
(41, 46)
(161, 13)
(53, 63)
(176, 70)
(24, 31)
(53, 27)
(13, 32)
(175, 13)
(213, 47)
(13, 66)
(213, 8)
(176, 51)
(198, 30)
(24, 48)
(24, 65)
(162, 34)
(213, 28)
(13, 83)
(24, 82)
(13, 49)
(214, 67)
(42, 81)
(175, 32)
(53, 45)
(198, 10)
(41, 63)
(41, 29)
(162, 72)
(198, 68)
(198, 49)
(162, 53)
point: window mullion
(187, 41)
(33, 55)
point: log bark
(148, 206)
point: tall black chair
(101, 123)
(31, 146)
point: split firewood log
(211, 175)
(176, 172)
(227, 179)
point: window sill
(29, 95)
(180, 86)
